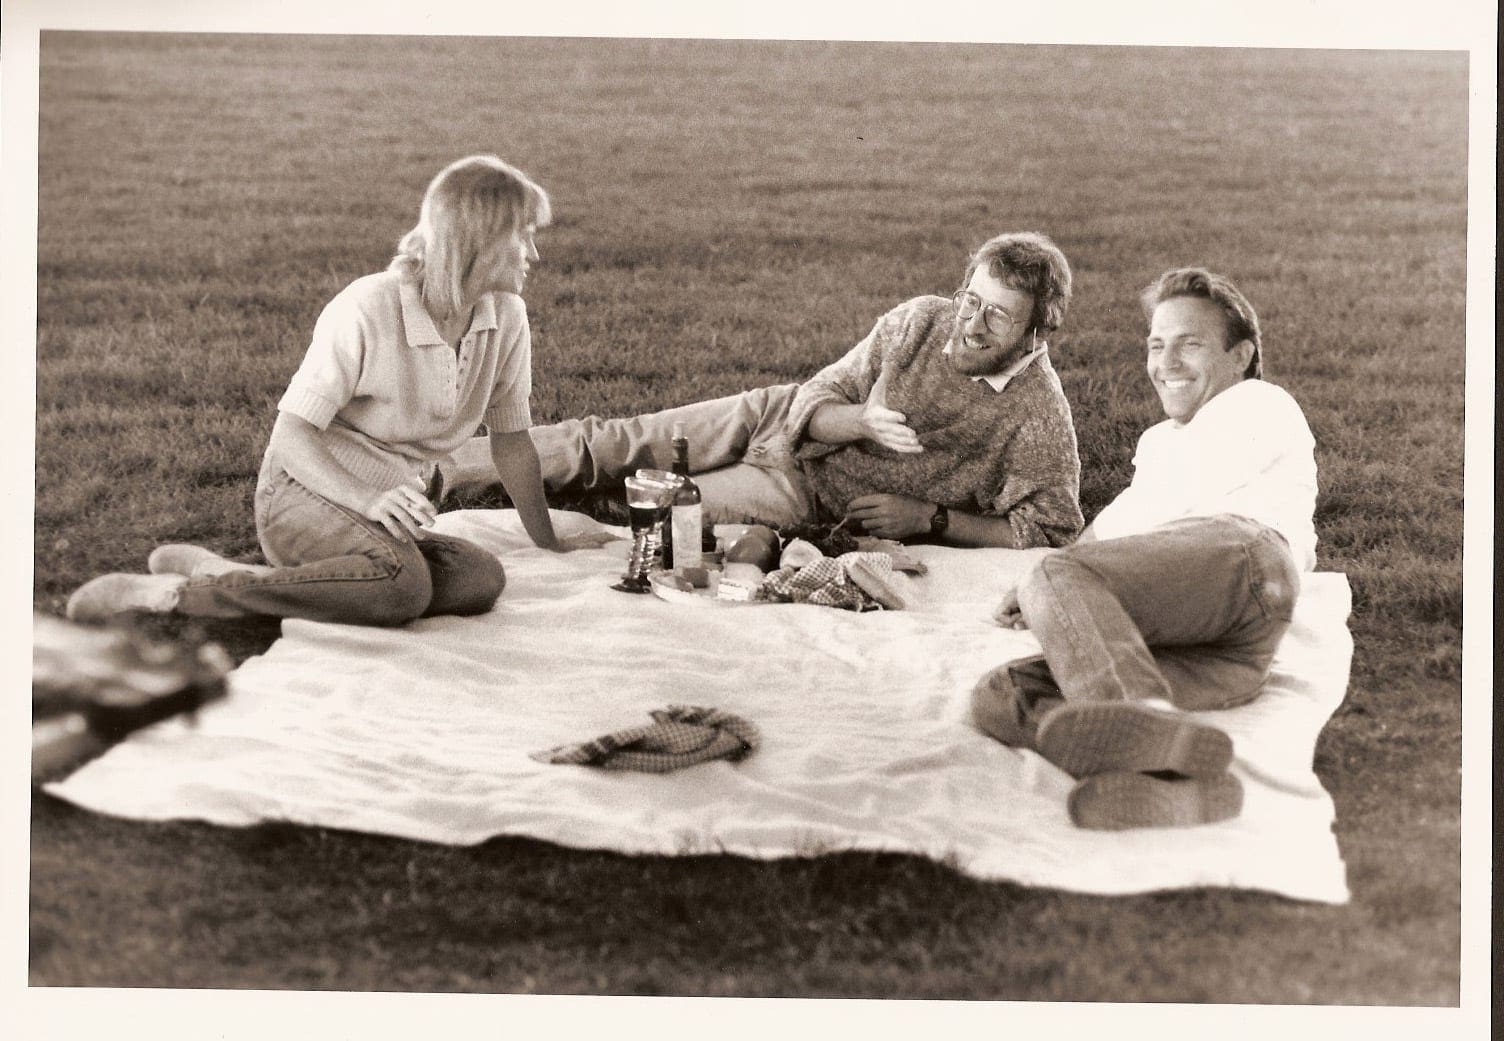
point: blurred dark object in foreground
(90, 687)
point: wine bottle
(685, 515)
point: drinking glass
(650, 494)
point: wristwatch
(939, 522)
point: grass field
(730, 215)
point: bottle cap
(678, 434)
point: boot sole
(1118, 801)
(1085, 738)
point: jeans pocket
(268, 488)
(1273, 577)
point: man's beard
(988, 361)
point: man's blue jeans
(738, 453)
(330, 564)
(1190, 612)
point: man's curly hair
(1031, 263)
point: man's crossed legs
(1189, 613)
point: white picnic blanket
(425, 732)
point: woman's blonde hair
(468, 206)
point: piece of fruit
(754, 548)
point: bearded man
(947, 421)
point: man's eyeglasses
(997, 319)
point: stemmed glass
(650, 494)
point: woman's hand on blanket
(584, 540)
(404, 511)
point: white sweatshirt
(1247, 451)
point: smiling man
(947, 421)
(1179, 590)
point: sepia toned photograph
(752, 516)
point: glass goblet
(650, 494)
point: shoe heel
(1198, 751)
(1085, 738)
(1120, 801)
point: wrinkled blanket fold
(428, 732)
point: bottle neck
(681, 457)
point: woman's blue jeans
(1190, 612)
(332, 565)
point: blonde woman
(402, 368)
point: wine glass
(650, 494)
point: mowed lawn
(732, 214)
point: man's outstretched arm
(838, 424)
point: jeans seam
(1255, 578)
(1055, 605)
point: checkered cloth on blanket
(680, 735)
(827, 582)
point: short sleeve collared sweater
(391, 397)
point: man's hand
(403, 511)
(1007, 613)
(891, 516)
(884, 426)
(584, 540)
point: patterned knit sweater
(1009, 453)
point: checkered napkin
(828, 582)
(680, 735)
